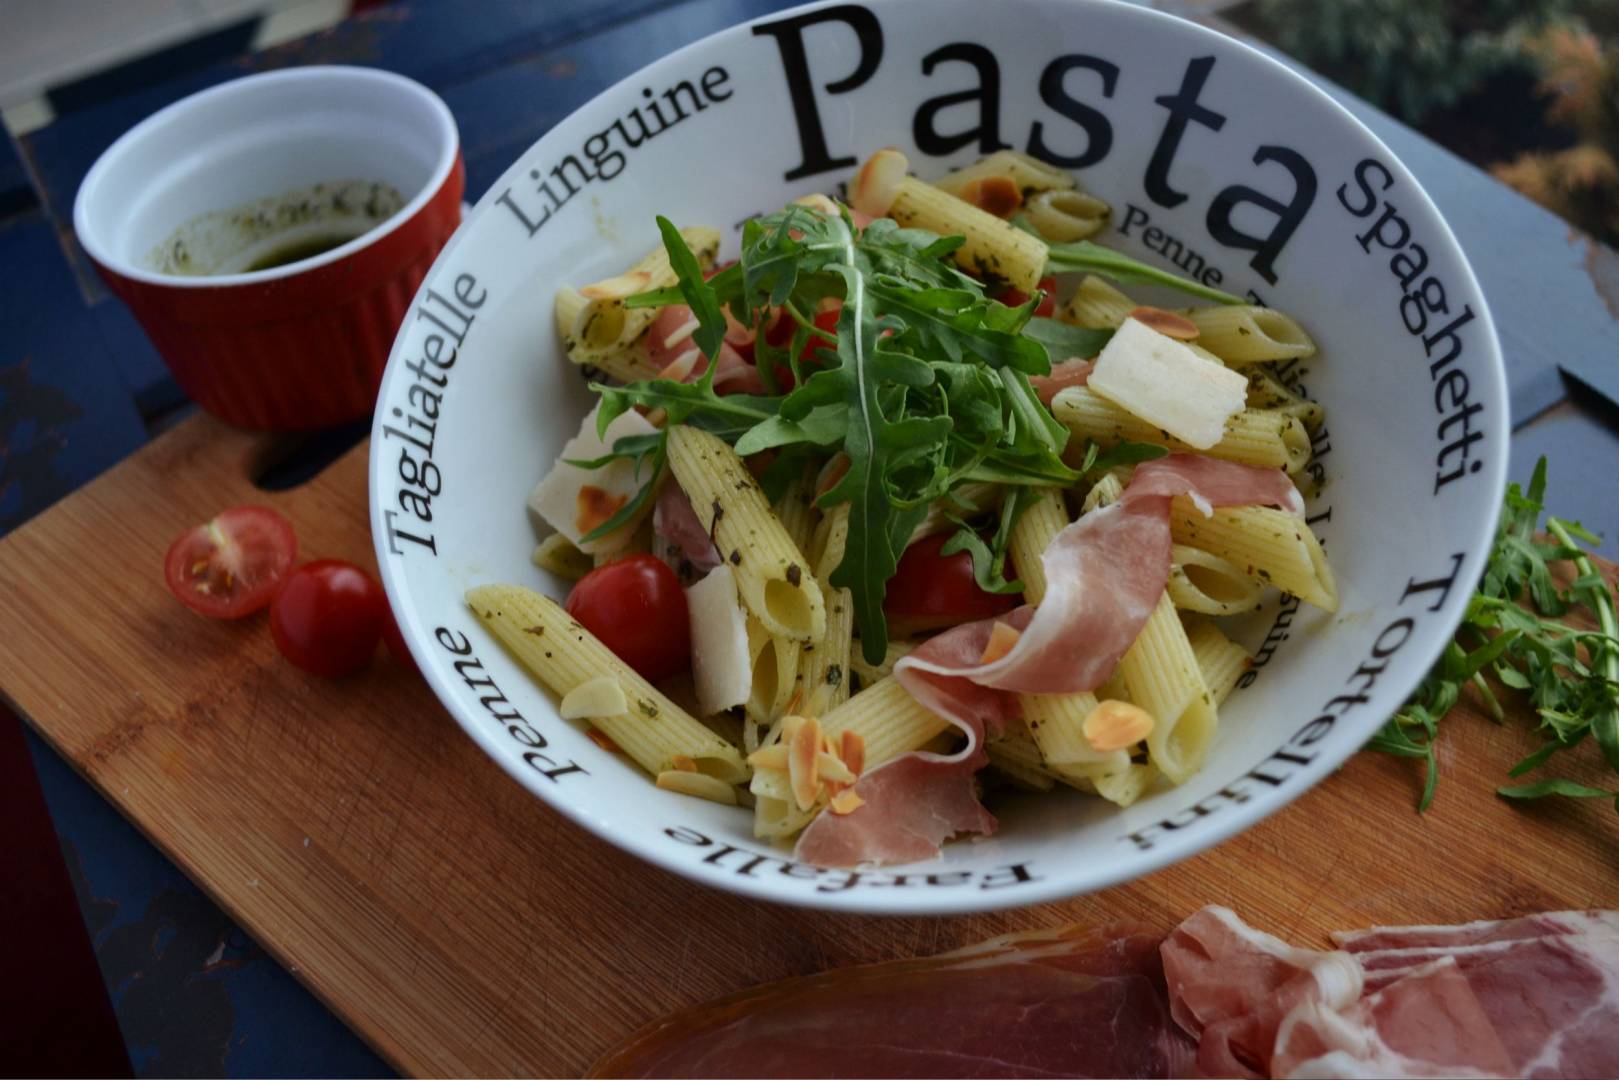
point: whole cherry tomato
(931, 591)
(637, 608)
(328, 617)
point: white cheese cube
(573, 501)
(721, 667)
(1168, 385)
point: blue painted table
(80, 388)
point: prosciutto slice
(1537, 996)
(683, 543)
(1104, 575)
(1067, 1002)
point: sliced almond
(853, 752)
(803, 739)
(680, 368)
(600, 738)
(769, 757)
(601, 696)
(697, 784)
(617, 288)
(1001, 640)
(997, 195)
(846, 802)
(1168, 323)
(1116, 725)
(832, 770)
(877, 183)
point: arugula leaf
(989, 560)
(1511, 630)
(626, 447)
(628, 511)
(1105, 262)
(1123, 453)
(699, 294)
(1064, 340)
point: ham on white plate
(1536, 996)
(1104, 574)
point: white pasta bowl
(1215, 159)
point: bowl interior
(257, 138)
(1215, 159)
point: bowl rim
(450, 150)
(1050, 889)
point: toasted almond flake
(878, 182)
(682, 332)
(699, 785)
(600, 739)
(617, 288)
(1001, 640)
(854, 752)
(1116, 725)
(819, 202)
(831, 770)
(997, 195)
(683, 763)
(769, 757)
(846, 802)
(1168, 323)
(601, 696)
(794, 701)
(803, 740)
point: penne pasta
(823, 667)
(775, 673)
(1270, 546)
(1063, 216)
(994, 250)
(563, 655)
(871, 673)
(1163, 678)
(1265, 391)
(1016, 755)
(1249, 334)
(1221, 660)
(1097, 305)
(1029, 175)
(1254, 436)
(796, 510)
(599, 331)
(557, 555)
(1210, 585)
(772, 576)
(1043, 517)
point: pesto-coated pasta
(1221, 660)
(1164, 679)
(773, 577)
(1065, 216)
(1253, 437)
(564, 655)
(1210, 585)
(1270, 546)
(1249, 334)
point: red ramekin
(293, 347)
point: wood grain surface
(463, 927)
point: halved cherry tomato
(231, 566)
(1048, 303)
(637, 608)
(328, 617)
(931, 591)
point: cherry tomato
(231, 566)
(396, 643)
(1048, 302)
(328, 617)
(931, 591)
(637, 609)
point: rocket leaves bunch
(923, 384)
(1513, 631)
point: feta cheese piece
(721, 667)
(573, 501)
(1168, 385)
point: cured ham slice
(1537, 996)
(1067, 1002)
(683, 542)
(674, 354)
(1063, 375)
(1104, 575)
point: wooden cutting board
(461, 926)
